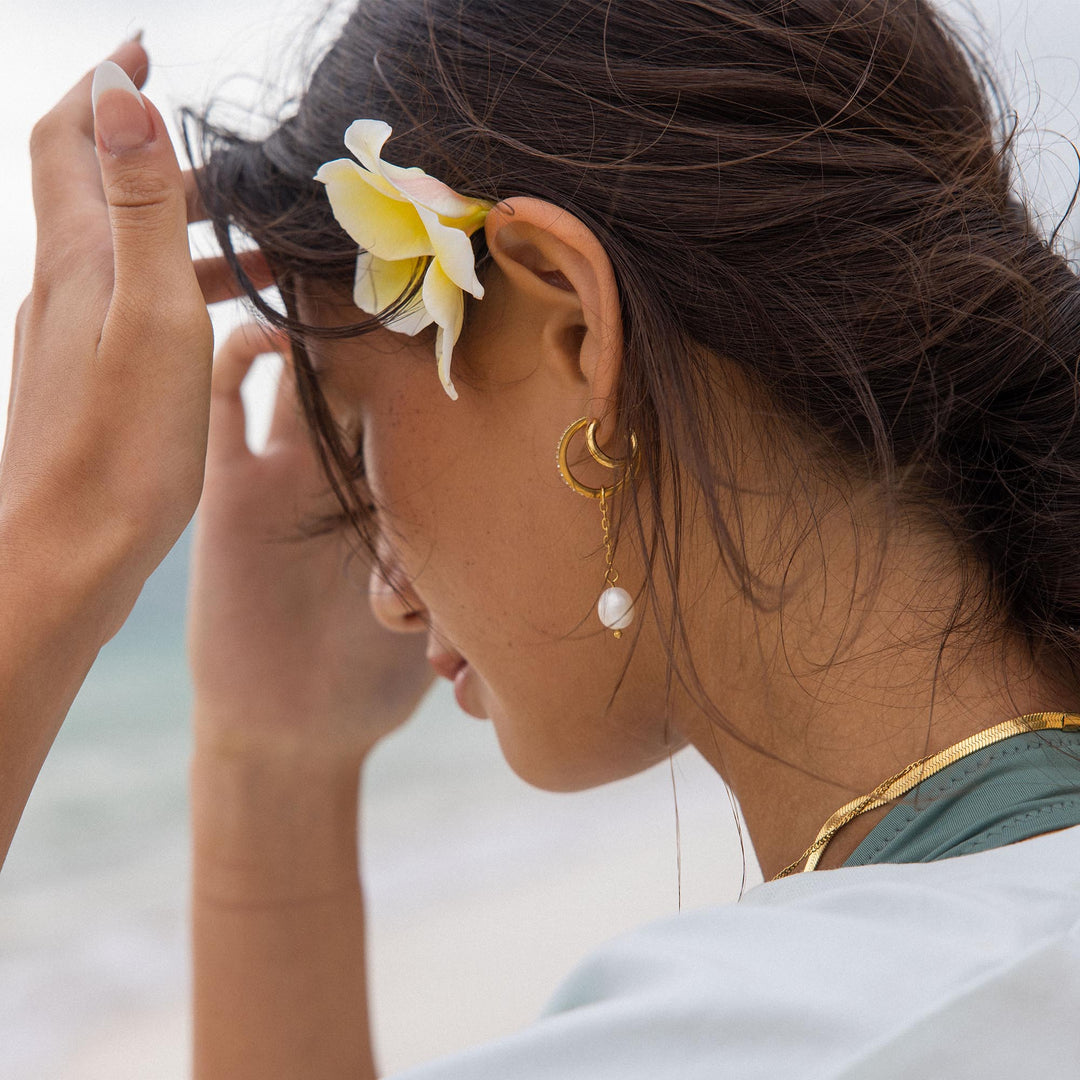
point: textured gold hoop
(598, 455)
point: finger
(218, 282)
(288, 424)
(145, 195)
(231, 364)
(72, 109)
(239, 351)
(64, 161)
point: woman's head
(477, 534)
(816, 266)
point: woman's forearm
(55, 614)
(278, 923)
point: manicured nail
(122, 120)
(110, 76)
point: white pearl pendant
(616, 609)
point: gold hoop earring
(615, 608)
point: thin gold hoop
(562, 460)
(599, 455)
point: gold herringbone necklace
(923, 769)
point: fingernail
(122, 120)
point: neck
(841, 687)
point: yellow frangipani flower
(407, 224)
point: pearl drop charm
(616, 609)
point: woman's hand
(285, 652)
(295, 682)
(105, 443)
(106, 434)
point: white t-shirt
(966, 967)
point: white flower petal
(444, 348)
(424, 190)
(443, 299)
(454, 250)
(365, 140)
(399, 217)
(380, 283)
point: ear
(554, 264)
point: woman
(758, 335)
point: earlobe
(557, 268)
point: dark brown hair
(818, 191)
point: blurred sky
(197, 45)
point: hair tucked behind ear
(815, 190)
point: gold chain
(612, 575)
(920, 770)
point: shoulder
(876, 971)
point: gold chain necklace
(920, 770)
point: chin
(553, 747)
(545, 768)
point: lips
(454, 667)
(445, 663)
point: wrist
(273, 825)
(74, 591)
(292, 727)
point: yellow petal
(470, 222)
(454, 251)
(444, 302)
(380, 283)
(385, 226)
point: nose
(394, 603)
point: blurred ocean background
(483, 892)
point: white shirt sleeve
(968, 967)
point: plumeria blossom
(408, 225)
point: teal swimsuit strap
(1013, 790)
